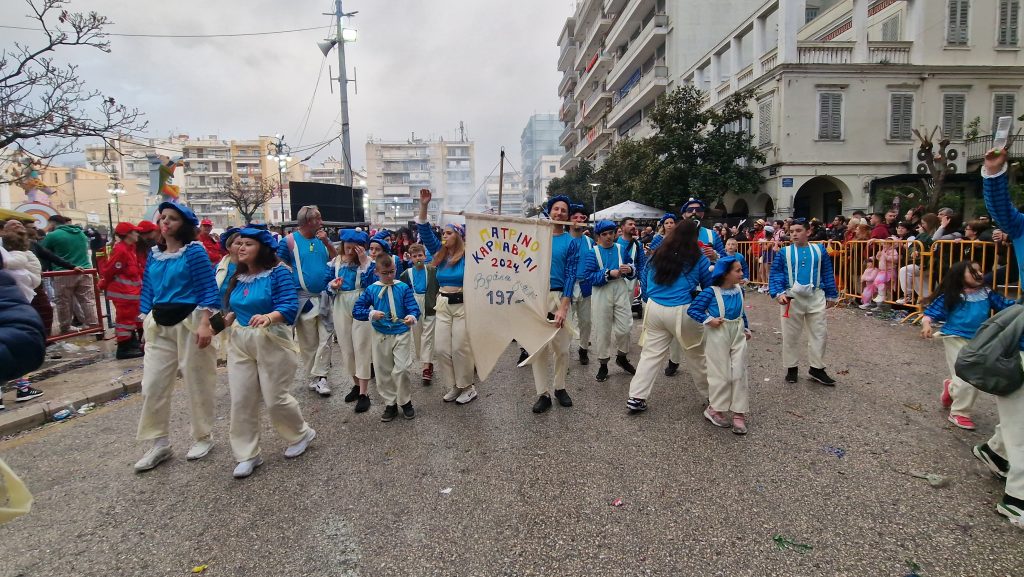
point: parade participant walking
(665, 226)
(391, 308)
(423, 280)
(711, 243)
(802, 281)
(551, 363)
(353, 271)
(307, 251)
(671, 280)
(451, 338)
(211, 243)
(634, 250)
(1004, 452)
(223, 273)
(963, 303)
(607, 268)
(581, 308)
(720, 308)
(179, 295)
(262, 356)
(122, 279)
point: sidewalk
(88, 375)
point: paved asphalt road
(531, 495)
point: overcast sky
(423, 65)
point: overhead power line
(235, 35)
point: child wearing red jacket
(122, 279)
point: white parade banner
(508, 262)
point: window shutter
(901, 113)
(764, 123)
(836, 125)
(1009, 14)
(953, 116)
(956, 34)
(891, 29)
(823, 117)
(1003, 105)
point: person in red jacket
(122, 279)
(149, 234)
(210, 241)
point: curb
(18, 421)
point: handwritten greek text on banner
(508, 263)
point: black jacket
(22, 341)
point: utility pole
(346, 147)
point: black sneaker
(390, 412)
(584, 356)
(563, 398)
(542, 405)
(636, 405)
(602, 373)
(523, 355)
(821, 376)
(998, 465)
(624, 364)
(363, 404)
(353, 394)
(27, 394)
(792, 375)
(671, 369)
(407, 411)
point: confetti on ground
(914, 407)
(617, 502)
(795, 414)
(913, 567)
(844, 372)
(766, 379)
(200, 568)
(783, 543)
(446, 491)
(838, 452)
(933, 479)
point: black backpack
(990, 362)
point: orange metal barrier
(96, 329)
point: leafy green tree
(575, 184)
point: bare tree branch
(249, 194)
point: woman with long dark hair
(451, 337)
(676, 270)
(179, 295)
(262, 355)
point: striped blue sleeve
(409, 301)
(716, 240)
(627, 260)
(656, 242)
(594, 274)
(937, 309)
(996, 190)
(283, 253)
(428, 237)
(284, 295)
(698, 309)
(640, 264)
(644, 281)
(746, 324)
(998, 302)
(828, 276)
(743, 263)
(572, 262)
(361, 310)
(146, 299)
(777, 279)
(204, 279)
(704, 272)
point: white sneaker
(879, 299)
(452, 394)
(199, 450)
(466, 396)
(153, 457)
(321, 387)
(315, 382)
(299, 448)
(901, 301)
(245, 468)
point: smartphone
(1003, 130)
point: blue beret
(227, 234)
(560, 198)
(604, 225)
(577, 209)
(668, 215)
(257, 225)
(383, 243)
(357, 236)
(721, 267)
(383, 234)
(701, 207)
(185, 211)
(261, 236)
(458, 228)
(345, 234)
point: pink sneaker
(739, 424)
(962, 422)
(717, 419)
(946, 398)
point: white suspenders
(792, 262)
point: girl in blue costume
(179, 295)
(262, 356)
(353, 271)
(676, 270)
(720, 308)
(665, 226)
(451, 336)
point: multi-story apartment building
(127, 158)
(539, 139)
(513, 194)
(548, 168)
(397, 170)
(84, 196)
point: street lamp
(593, 195)
(115, 189)
(279, 151)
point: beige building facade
(84, 196)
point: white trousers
(169, 349)
(624, 341)
(662, 327)
(423, 333)
(1008, 439)
(964, 395)
(353, 336)
(551, 363)
(451, 343)
(393, 357)
(806, 315)
(261, 367)
(612, 317)
(725, 348)
(580, 309)
(314, 342)
(913, 279)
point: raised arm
(996, 189)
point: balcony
(595, 139)
(631, 98)
(569, 161)
(568, 55)
(746, 75)
(568, 137)
(596, 104)
(599, 64)
(568, 112)
(568, 82)
(641, 49)
(977, 148)
(593, 42)
(769, 60)
(825, 52)
(628, 21)
(889, 52)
